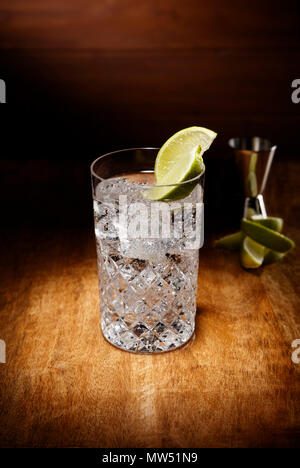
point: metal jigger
(254, 158)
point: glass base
(144, 345)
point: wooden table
(234, 385)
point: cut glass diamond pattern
(139, 329)
(147, 306)
(147, 303)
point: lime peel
(267, 237)
(270, 222)
(231, 241)
(271, 257)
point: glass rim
(266, 141)
(101, 179)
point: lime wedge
(178, 150)
(252, 253)
(272, 223)
(271, 257)
(185, 170)
(267, 237)
(231, 242)
(178, 161)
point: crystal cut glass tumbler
(147, 252)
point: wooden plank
(64, 385)
(131, 24)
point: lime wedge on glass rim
(252, 253)
(179, 161)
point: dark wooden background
(88, 76)
(85, 77)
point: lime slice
(185, 170)
(252, 254)
(271, 257)
(179, 149)
(180, 160)
(267, 237)
(231, 242)
(272, 223)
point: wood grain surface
(234, 385)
